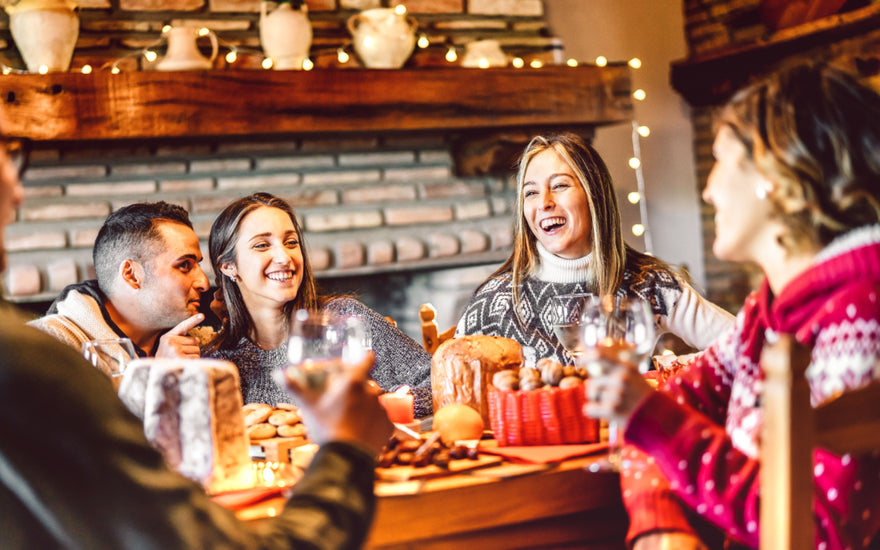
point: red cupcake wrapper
(552, 416)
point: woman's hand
(616, 393)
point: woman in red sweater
(796, 189)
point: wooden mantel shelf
(711, 79)
(138, 105)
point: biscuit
(286, 407)
(296, 430)
(257, 416)
(261, 431)
(248, 407)
(281, 418)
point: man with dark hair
(146, 260)
(77, 472)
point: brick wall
(386, 204)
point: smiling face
(268, 259)
(555, 206)
(174, 282)
(745, 226)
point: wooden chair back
(849, 423)
(431, 335)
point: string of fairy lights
(150, 54)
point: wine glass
(321, 343)
(616, 331)
(566, 313)
(110, 356)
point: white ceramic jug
(183, 53)
(483, 54)
(286, 35)
(45, 32)
(382, 37)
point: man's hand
(176, 342)
(668, 541)
(347, 409)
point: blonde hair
(610, 254)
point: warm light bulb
(571, 62)
(518, 62)
(536, 63)
(633, 197)
(639, 94)
(342, 56)
(43, 69)
(204, 31)
(638, 230)
(424, 42)
(601, 61)
(451, 56)
(483, 63)
(150, 55)
(634, 163)
(166, 28)
(400, 9)
(7, 70)
(635, 63)
(644, 131)
(86, 69)
(231, 57)
(114, 70)
(308, 64)
(267, 63)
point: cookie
(281, 418)
(261, 431)
(257, 416)
(286, 407)
(296, 430)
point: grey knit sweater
(400, 360)
(677, 307)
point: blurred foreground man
(77, 472)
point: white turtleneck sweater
(677, 307)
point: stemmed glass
(566, 313)
(320, 343)
(110, 356)
(617, 331)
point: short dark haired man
(148, 285)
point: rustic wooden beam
(148, 104)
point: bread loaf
(192, 413)
(462, 368)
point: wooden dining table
(509, 506)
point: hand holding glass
(320, 344)
(110, 356)
(618, 332)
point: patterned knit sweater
(677, 307)
(707, 461)
(400, 360)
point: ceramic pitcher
(382, 37)
(286, 35)
(183, 53)
(45, 32)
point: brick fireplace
(406, 201)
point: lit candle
(398, 405)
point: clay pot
(286, 35)
(45, 33)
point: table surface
(506, 507)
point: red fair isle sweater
(701, 434)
